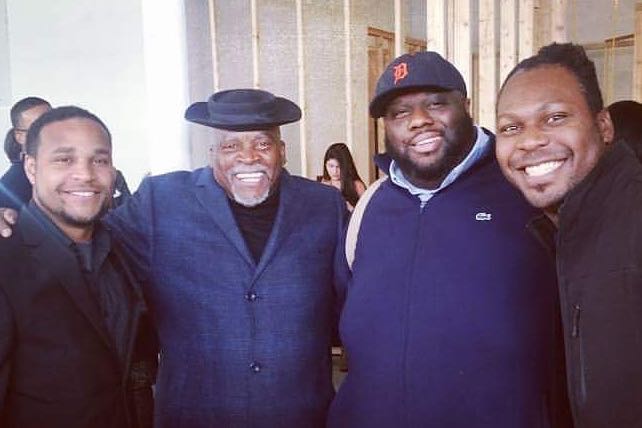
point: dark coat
(243, 344)
(452, 317)
(15, 189)
(599, 265)
(58, 367)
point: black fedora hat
(243, 110)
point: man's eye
(436, 104)
(508, 129)
(62, 160)
(556, 118)
(263, 145)
(399, 113)
(228, 147)
(101, 162)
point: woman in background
(339, 171)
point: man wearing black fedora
(238, 258)
(237, 264)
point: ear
(605, 126)
(30, 168)
(466, 102)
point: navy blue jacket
(452, 318)
(242, 345)
(15, 189)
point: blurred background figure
(121, 190)
(627, 121)
(339, 171)
(15, 189)
(11, 147)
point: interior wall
(113, 58)
(5, 81)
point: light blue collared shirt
(481, 146)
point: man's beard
(457, 144)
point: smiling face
(72, 175)
(548, 140)
(248, 164)
(428, 134)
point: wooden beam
(541, 23)
(637, 54)
(487, 64)
(507, 38)
(301, 86)
(400, 31)
(526, 47)
(462, 52)
(347, 33)
(255, 43)
(436, 27)
(215, 73)
(559, 31)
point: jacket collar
(616, 166)
(215, 201)
(51, 253)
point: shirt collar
(99, 245)
(479, 149)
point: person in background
(121, 190)
(11, 147)
(15, 189)
(627, 123)
(339, 171)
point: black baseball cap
(421, 70)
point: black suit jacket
(58, 367)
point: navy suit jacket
(243, 344)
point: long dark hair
(349, 174)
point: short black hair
(58, 114)
(627, 123)
(11, 147)
(573, 58)
(24, 105)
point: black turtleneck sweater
(256, 222)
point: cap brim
(379, 103)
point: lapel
(214, 200)
(287, 219)
(49, 252)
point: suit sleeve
(131, 224)
(6, 346)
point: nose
(532, 138)
(82, 171)
(420, 117)
(248, 154)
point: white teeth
(249, 177)
(83, 194)
(542, 168)
(430, 140)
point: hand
(8, 218)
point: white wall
(99, 55)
